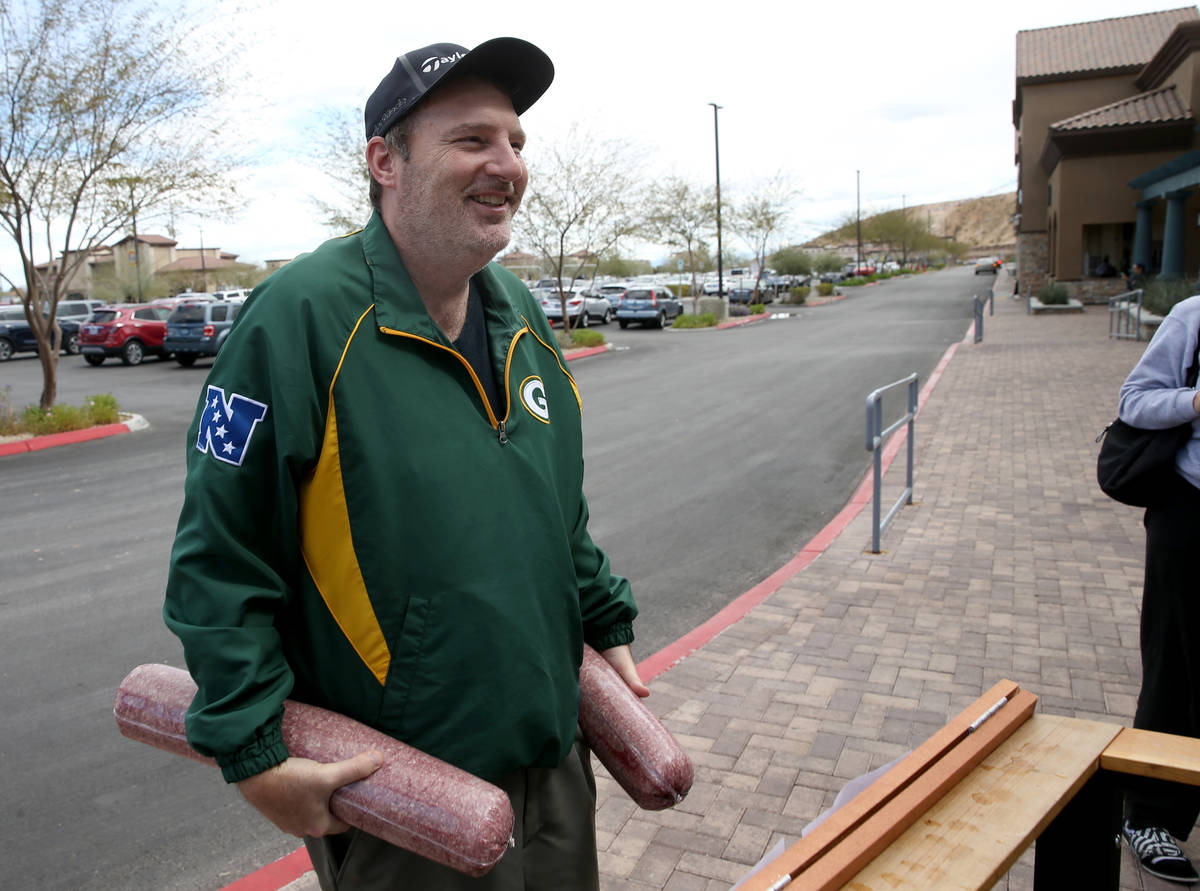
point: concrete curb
(131, 424)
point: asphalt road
(712, 458)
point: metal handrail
(990, 300)
(1121, 317)
(875, 438)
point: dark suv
(198, 329)
(16, 336)
(652, 305)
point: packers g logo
(533, 397)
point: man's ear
(381, 162)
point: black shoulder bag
(1137, 466)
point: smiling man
(384, 510)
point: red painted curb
(37, 443)
(584, 353)
(275, 875)
(744, 320)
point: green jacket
(359, 531)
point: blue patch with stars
(227, 425)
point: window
(218, 313)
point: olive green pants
(554, 829)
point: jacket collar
(397, 303)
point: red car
(131, 331)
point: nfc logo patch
(533, 397)
(227, 425)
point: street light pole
(717, 149)
(858, 220)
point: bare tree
(339, 153)
(682, 215)
(584, 197)
(760, 217)
(103, 122)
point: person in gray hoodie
(1156, 396)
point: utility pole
(137, 248)
(858, 219)
(717, 150)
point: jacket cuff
(264, 752)
(613, 636)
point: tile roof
(1126, 43)
(1156, 107)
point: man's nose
(505, 163)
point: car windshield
(104, 315)
(189, 312)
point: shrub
(96, 410)
(703, 320)
(1054, 294)
(1161, 294)
(825, 289)
(739, 309)
(757, 308)
(855, 281)
(799, 294)
(580, 337)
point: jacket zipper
(497, 424)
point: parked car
(16, 335)
(741, 295)
(76, 310)
(582, 308)
(184, 297)
(129, 330)
(198, 329)
(613, 293)
(653, 305)
(833, 277)
(987, 264)
(232, 295)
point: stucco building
(1107, 151)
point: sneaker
(1156, 850)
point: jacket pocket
(407, 656)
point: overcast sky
(916, 96)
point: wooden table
(1033, 783)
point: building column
(1143, 234)
(1175, 235)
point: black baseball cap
(516, 66)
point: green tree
(792, 261)
(105, 120)
(585, 196)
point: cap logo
(433, 63)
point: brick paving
(1011, 564)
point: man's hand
(621, 658)
(295, 795)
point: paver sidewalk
(1012, 564)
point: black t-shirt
(472, 343)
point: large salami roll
(414, 801)
(639, 752)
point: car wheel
(662, 320)
(6, 349)
(70, 344)
(607, 317)
(187, 360)
(93, 359)
(583, 321)
(624, 323)
(133, 352)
